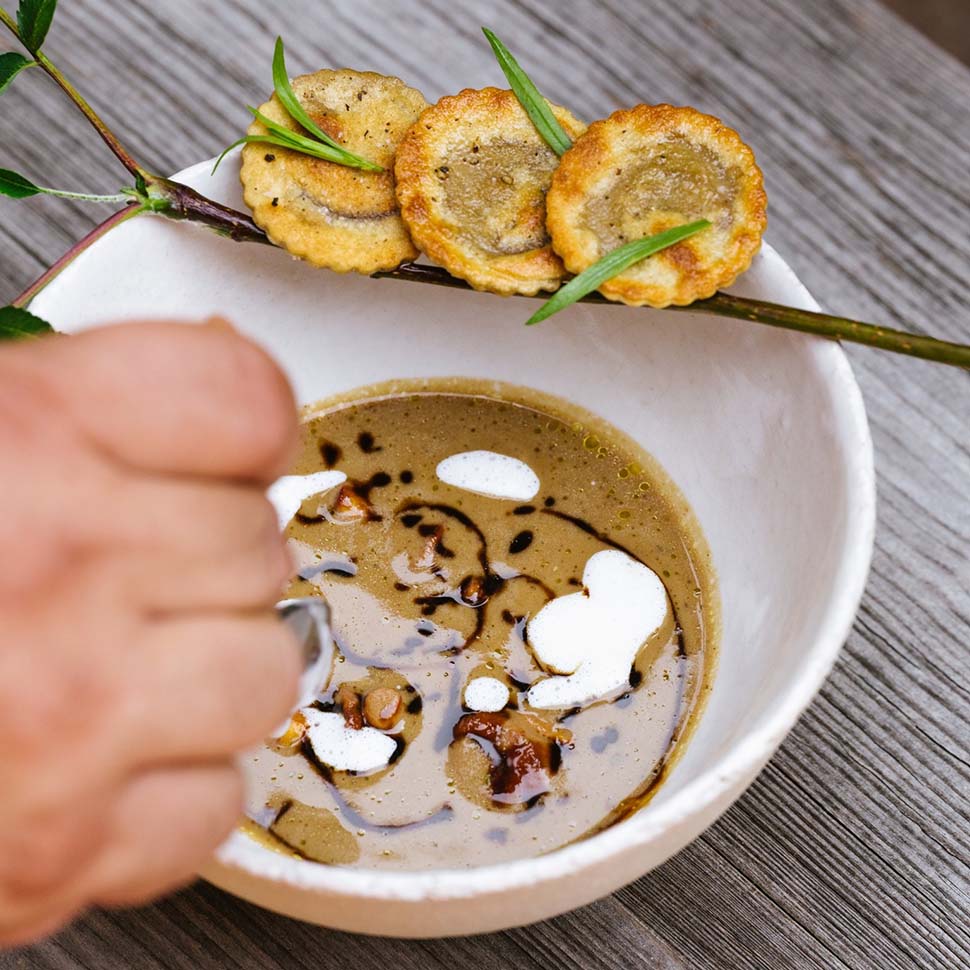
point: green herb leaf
(34, 19)
(300, 143)
(284, 91)
(536, 106)
(245, 140)
(18, 324)
(11, 64)
(612, 264)
(16, 186)
(311, 148)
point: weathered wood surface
(852, 849)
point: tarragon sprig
(320, 145)
(536, 106)
(173, 200)
(621, 258)
(612, 264)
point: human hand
(139, 560)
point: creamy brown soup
(462, 619)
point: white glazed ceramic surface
(764, 431)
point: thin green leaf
(34, 19)
(316, 150)
(11, 64)
(536, 106)
(18, 324)
(245, 140)
(300, 143)
(612, 264)
(16, 186)
(284, 91)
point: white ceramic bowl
(764, 431)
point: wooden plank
(852, 849)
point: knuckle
(48, 853)
(47, 705)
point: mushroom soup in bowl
(762, 432)
(525, 621)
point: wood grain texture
(852, 848)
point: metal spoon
(308, 617)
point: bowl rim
(718, 786)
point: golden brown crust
(472, 174)
(648, 169)
(328, 214)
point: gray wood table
(852, 848)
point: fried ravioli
(648, 169)
(328, 214)
(472, 175)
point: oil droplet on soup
(433, 585)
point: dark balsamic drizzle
(523, 510)
(330, 453)
(362, 489)
(534, 581)
(521, 542)
(491, 583)
(452, 513)
(377, 480)
(269, 829)
(365, 441)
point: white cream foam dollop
(343, 748)
(489, 473)
(486, 694)
(288, 493)
(594, 636)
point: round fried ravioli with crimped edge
(648, 169)
(329, 214)
(472, 176)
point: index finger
(176, 398)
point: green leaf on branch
(34, 19)
(19, 324)
(11, 64)
(16, 186)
